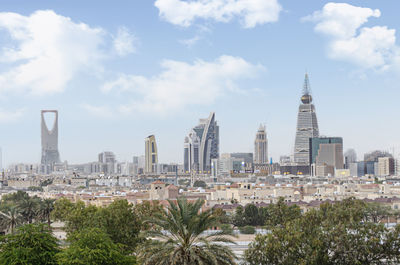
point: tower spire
(306, 86)
(306, 98)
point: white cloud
(124, 42)
(368, 47)
(181, 84)
(190, 42)
(98, 110)
(250, 12)
(45, 51)
(11, 116)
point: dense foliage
(31, 244)
(346, 232)
(118, 220)
(91, 247)
(270, 216)
(340, 233)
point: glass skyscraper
(202, 145)
(307, 126)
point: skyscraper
(50, 154)
(307, 126)
(261, 146)
(151, 155)
(326, 155)
(202, 145)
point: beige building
(385, 166)
(151, 155)
(160, 191)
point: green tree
(147, 210)
(121, 223)
(376, 212)
(280, 213)
(119, 220)
(222, 216)
(92, 247)
(239, 218)
(251, 215)
(334, 234)
(183, 240)
(199, 183)
(45, 208)
(32, 244)
(10, 218)
(29, 208)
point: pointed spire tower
(307, 126)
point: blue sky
(118, 71)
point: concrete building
(107, 162)
(261, 146)
(160, 191)
(326, 155)
(50, 153)
(151, 155)
(307, 126)
(226, 164)
(386, 166)
(201, 146)
(350, 156)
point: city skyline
(354, 98)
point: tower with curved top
(307, 126)
(50, 153)
(202, 145)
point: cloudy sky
(118, 71)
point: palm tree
(181, 238)
(46, 207)
(29, 208)
(10, 218)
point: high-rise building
(191, 149)
(307, 126)
(386, 166)
(350, 156)
(1, 160)
(326, 155)
(50, 154)
(261, 146)
(108, 162)
(202, 145)
(151, 155)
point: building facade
(326, 155)
(307, 126)
(201, 146)
(151, 155)
(261, 146)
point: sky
(118, 71)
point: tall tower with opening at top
(307, 126)
(50, 154)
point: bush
(247, 230)
(226, 227)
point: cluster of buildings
(318, 169)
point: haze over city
(117, 75)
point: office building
(151, 155)
(107, 162)
(201, 146)
(307, 126)
(50, 153)
(350, 156)
(326, 155)
(244, 157)
(261, 146)
(386, 166)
